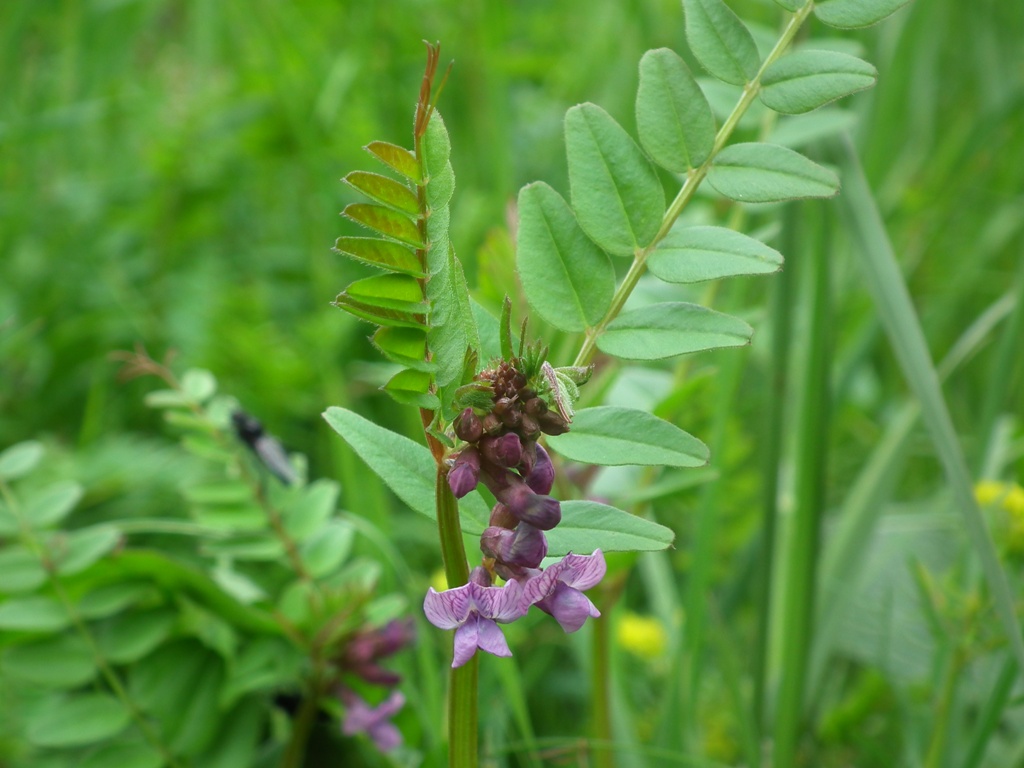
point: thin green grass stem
(896, 309)
(799, 565)
(771, 461)
(600, 691)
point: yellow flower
(643, 636)
(1007, 498)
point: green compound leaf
(849, 14)
(437, 147)
(74, 552)
(588, 525)
(62, 662)
(616, 193)
(51, 505)
(673, 118)
(77, 720)
(720, 41)
(612, 436)
(386, 221)
(128, 755)
(328, 549)
(396, 158)
(385, 254)
(401, 293)
(441, 187)
(405, 466)
(20, 570)
(131, 636)
(670, 329)
(33, 614)
(112, 598)
(806, 80)
(304, 515)
(767, 173)
(567, 279)
(694, 254)
(20, 459)
(410, 387)
(405, 346)
(198, 385)
(384, 190)
(452, 325)
(380, 315)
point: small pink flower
(472, 611)
(559, 589)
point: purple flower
(472, 610)
(558, 590)
(368, 645)
(539, 511)
(505, 451)
(360, 717)
(465, 473)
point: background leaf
(616, 194)
(766, 173)
(667, 330)
(673, 118)
(407, 467)
(806, 80)
(848, 14)
(567, 279)
(20, 459)
(693, 254)
(720, 41)
(610, 435)
(77, 720)
(589, 525)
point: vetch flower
(472, 610)
(375, 722)
(525, 546)
(559, 589)
(367, 646)
(465, 473)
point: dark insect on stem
(267, 448)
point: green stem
(937, 747)
(462, 694)
(800, 562)
(694, 177)
(782, 311)
(302, 727)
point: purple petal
(448, 609)
(539, 511)
(385, 736)
(528, 547)
(569, 606)
(465, 473)
(361, 717)
(579, 571)
(500, 603)
(542, 476)
(491, 639)
(478, 632)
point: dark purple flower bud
(495, 542)
(465, 473)
(528, 547)
(360, 717)
(529, 458)
(553, 424)
(535, 406)
(491, 424)
(502, 517)
(539, 511)
(505, 451)
(542, 477)
(517, 573)
(530, 428)
(525, 546)
(468, 426)
(507, 410)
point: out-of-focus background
(169, 176)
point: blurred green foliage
(170, 177)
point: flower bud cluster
(503, 454)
